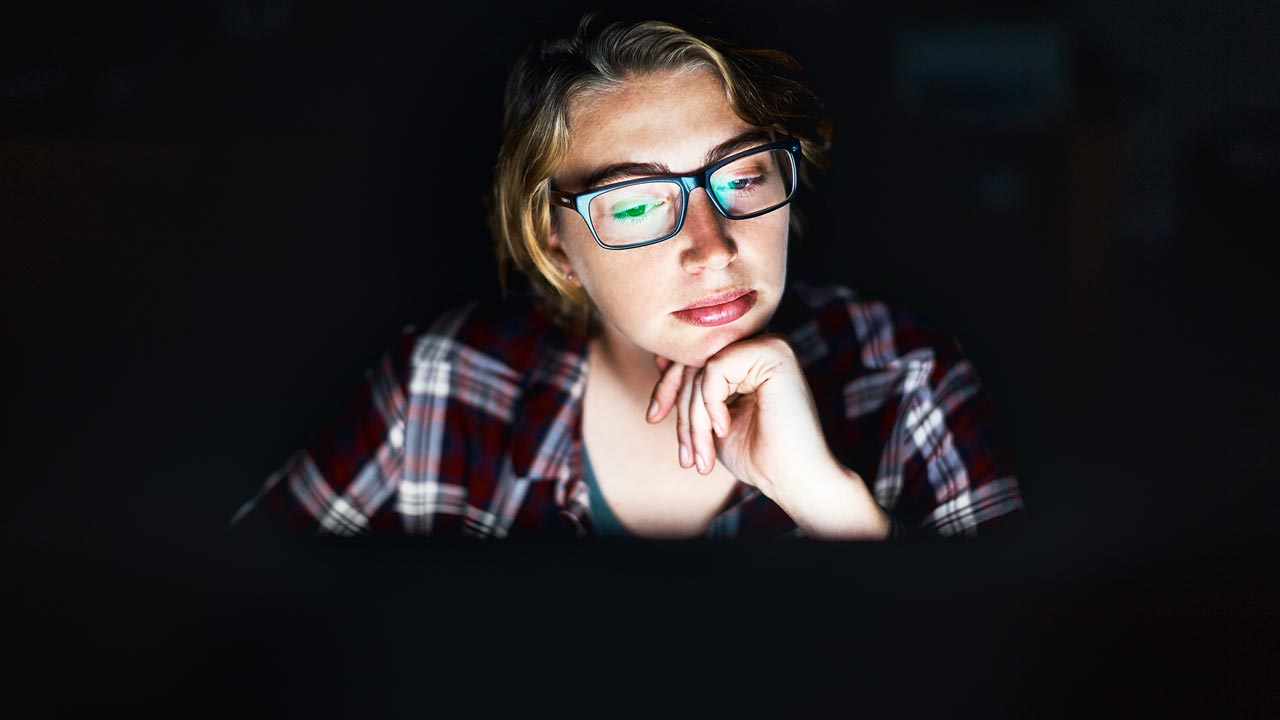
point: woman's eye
(632, 212)
(739, 184)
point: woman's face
(670, 124)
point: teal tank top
(607, 524)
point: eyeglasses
(640, 212)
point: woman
(660, 380)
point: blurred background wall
(215, 215)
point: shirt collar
(546, 439)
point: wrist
(833, 503)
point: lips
(718, 309)
(719, 298)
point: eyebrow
(617, 171)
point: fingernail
(684, 455)
(653, 410)
(719, 430)
(702, 464)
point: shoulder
(508, 339)
(903, 406)
(420, 446)
(836, 326)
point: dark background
(214, 216)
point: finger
(662, 362)
(717, 391)
(735, 373)
(704, 447)
(665, 392)
(682, 418)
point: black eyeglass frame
(581, 202)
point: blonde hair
(759, 84)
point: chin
(706, 342)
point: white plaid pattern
(445, 374)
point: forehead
(670, 118)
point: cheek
(617, 285)
(764, 246)
(780, 235)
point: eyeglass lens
(647, 211)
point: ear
(555, 249)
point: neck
(624, 363)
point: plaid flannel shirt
(474, 428)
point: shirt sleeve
(343, 481)
(942, 467)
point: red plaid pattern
(474, 428)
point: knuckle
(668, 387)
(779, 342)
(671, 376)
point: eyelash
(621, 217)
(755, 180)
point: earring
(568, 275)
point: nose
(704, 243)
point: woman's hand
(750, 407)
